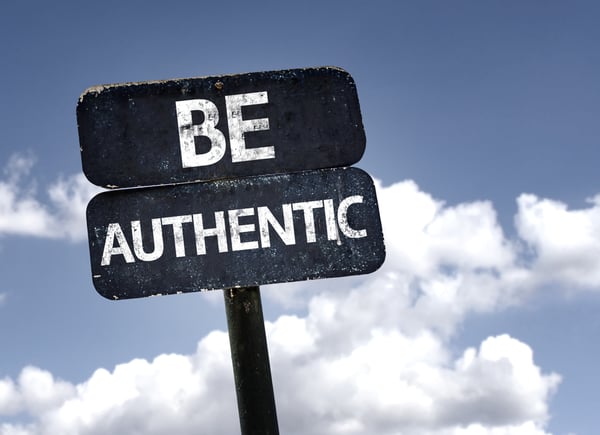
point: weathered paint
(162, 132)
(238, 127)
(238, 232)
(188, 132)
(115, 243)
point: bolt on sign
(277, 203)
(163, 132)
(236, 232)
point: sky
(482, 133)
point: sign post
(250, 358)
(232, 182)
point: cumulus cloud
(371, 354)
(445, 261)
(441, 263)
(389, 384)
(565, 243)
(427, 234)
(171, 394)
(61, 214)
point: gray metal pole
(250, 357)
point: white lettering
(114, 230)
(177, 222)
(343, 218)
(188, 133)
(332, 230)
(266, 218)
(157, 237)
(201, 232)
(336, 224)
(309, 218)
(237, 229)
(238, 127)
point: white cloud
(371, 355)
(171, 394)
(388, 384)
(391, 383)
(425, 234)
(565, 243)
(69, 198)
(442, 262)
(23, 213)
(9, 397)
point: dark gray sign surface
(163, 132)
(236, 232)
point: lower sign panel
(237, 232)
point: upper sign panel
(140, 134)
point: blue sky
(482, 128)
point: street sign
(235, 232)
(163, 132)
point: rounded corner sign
(237, 232)
(166, 132)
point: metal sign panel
(163, 132)
(235, 232)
